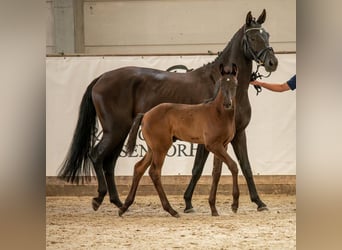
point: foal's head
(228, 84)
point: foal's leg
(240, 148)
(201, 157)
(155, 174)
(220, 151)
(139, 169)
(216, 174)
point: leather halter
(259, 58)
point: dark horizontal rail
(148, 54)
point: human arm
(272, 86)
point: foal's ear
(235, 70)
(262, 17)
(249, 18)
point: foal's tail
(132, 137)
(77, 162)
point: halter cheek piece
(259, 58)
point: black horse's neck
(234, 53)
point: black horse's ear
(234, 69)
(262, 17)
(249, 18)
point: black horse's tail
(132, 137)
(77, 162)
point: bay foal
(211, 123)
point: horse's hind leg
(155, 174)
(102, 157)
(108, 167)
(139, 169)
(201, 157)
(216, 174)
(102, 188)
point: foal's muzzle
(228, 104)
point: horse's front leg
(197, 169)
(221, 152)
(240, 148)
(216, 174)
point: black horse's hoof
(95, 204)
(189, 210)
(117, 203)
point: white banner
(271, 134)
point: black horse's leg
(240, 148)
(108, 167)
(102, 157)
(95, 157)
(200, 159)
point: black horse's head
(228, 84)
(256, 42)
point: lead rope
(255, 75)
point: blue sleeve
(292, 82)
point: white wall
(271, 133)
(173, 26)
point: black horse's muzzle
(270, 61)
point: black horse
(117, 96)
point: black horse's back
(77, 162)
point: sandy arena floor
(72, 224)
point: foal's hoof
(262, 208)
(176, 215)
(95, 204)
(189, 210)
(214, 213)
(121, 212)
(234, 209)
